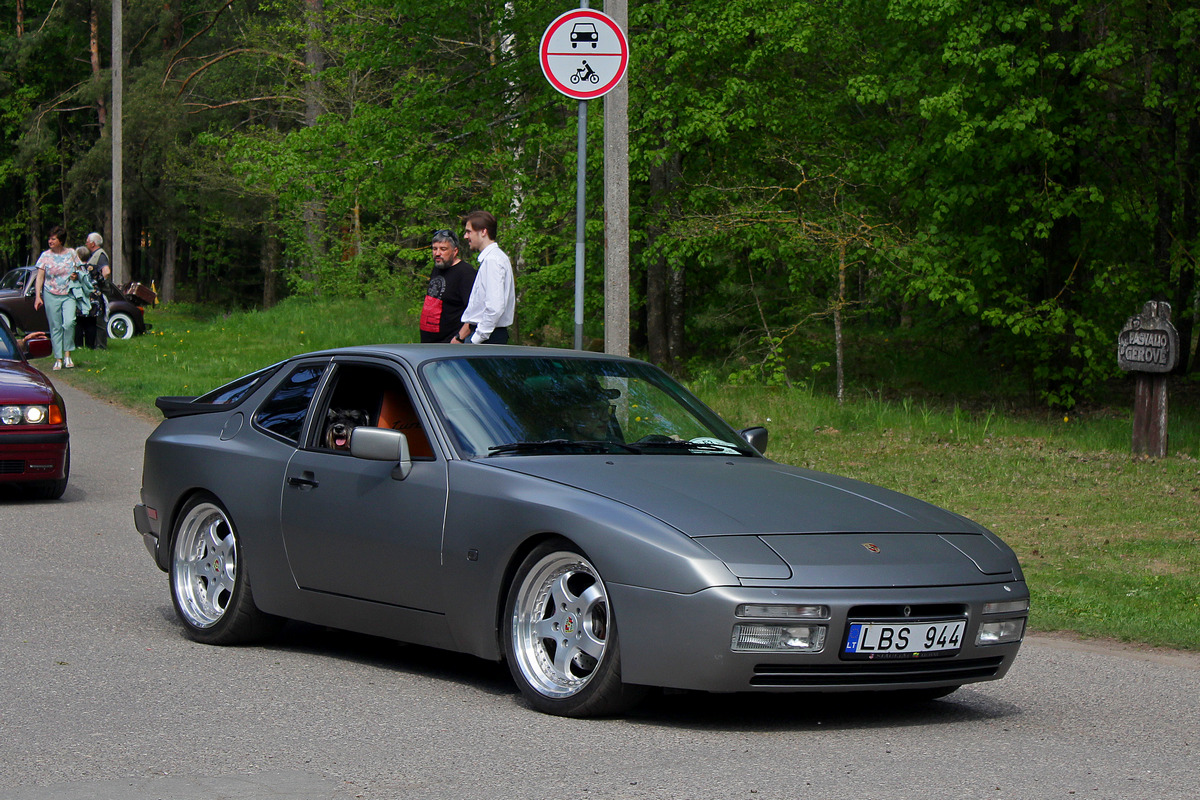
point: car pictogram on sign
(584, 32)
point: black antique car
(125, 316)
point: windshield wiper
(560, 445)
(691, 447)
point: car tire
(560, 636)
(120, 326)
(210, 584)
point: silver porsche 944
(580, 516)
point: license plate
(904, 639)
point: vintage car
(582, 517)
(35, 447)
(125, 315)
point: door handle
(304, 483)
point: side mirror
(756, 437)
(38, 346)
(382, 444)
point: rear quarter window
(284, 411)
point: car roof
(416, 354)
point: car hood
(22, 383)
(773, 522)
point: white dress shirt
(493, 302)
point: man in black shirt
(448, 292)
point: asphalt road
(102, 698)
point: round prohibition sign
(584, 54)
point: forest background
(1002, 181)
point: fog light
(1007, 607)
(1009, 630)
(778, 638)
(764, 610)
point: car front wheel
(120, 326)
(560, 636)
(210, 585)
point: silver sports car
(582, 517)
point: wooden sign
(1149, 342)
(1148, 345)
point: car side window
(13, 279)
(362, 394)
(284, 411)
(234, 392)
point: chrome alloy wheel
(560, 624)
(205, 568)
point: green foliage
(1024, 175)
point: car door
(16, 300)
(349, 527)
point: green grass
(1110, 544)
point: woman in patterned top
(57, 268)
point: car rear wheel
(560, 636)
(120, 326)
(210, 585)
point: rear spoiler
(186, 406)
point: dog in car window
(338, 424)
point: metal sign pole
(580, 222)
(116, 245)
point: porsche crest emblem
(874, 548)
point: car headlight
(29, 415)
(778, 638)
(1000, 632)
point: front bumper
(684, 641)
(37, 456)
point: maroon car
(35, 448)
(125, 316)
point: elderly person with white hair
(93, 324)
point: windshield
(542, 405)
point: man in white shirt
(493, 300)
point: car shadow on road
(485, 676)
(817, 711)
(674, 709)
(697, 710)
